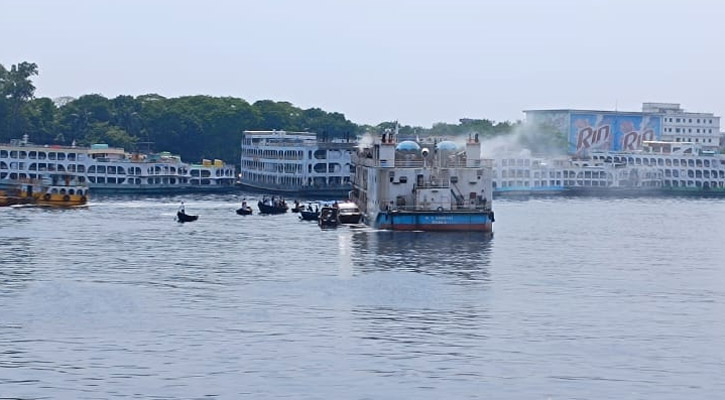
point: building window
(677, 120)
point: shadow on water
(465, 256)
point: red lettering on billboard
(593, 138)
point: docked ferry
(112, 170)
(296, 163)
(434, 186)
(658, 168)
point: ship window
(81, 168)
(23, 154)
(61, 156)
(72, 191)
(71, 156)
(33, 155)
(3, 154)
(101, 179)
(101, 169)
(111, 170)
(51, 156)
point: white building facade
(681, 126)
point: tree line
(194, 127)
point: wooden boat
(184, 217)
(12, 197)
(244, 210)
(52, 190)
(329, 217)
(272, 206)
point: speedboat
(349, 213)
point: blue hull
(435, 221)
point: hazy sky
(416, 61)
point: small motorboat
(349, 213)
(184, 217)
(329, 217)
(245, 210)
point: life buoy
(439, 209)
(47, 196)
(66, 198)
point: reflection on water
(569, 300)
(463, 255)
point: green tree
(17, 89)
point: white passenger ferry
(659, 168)
(112, 170)
(433, 186)
(295, 163)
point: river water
(570, 298)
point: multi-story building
(295, 163)
(681, 126)
(596, 130)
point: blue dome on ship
(447, 145)
(408, 146)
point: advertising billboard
(611, 132)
